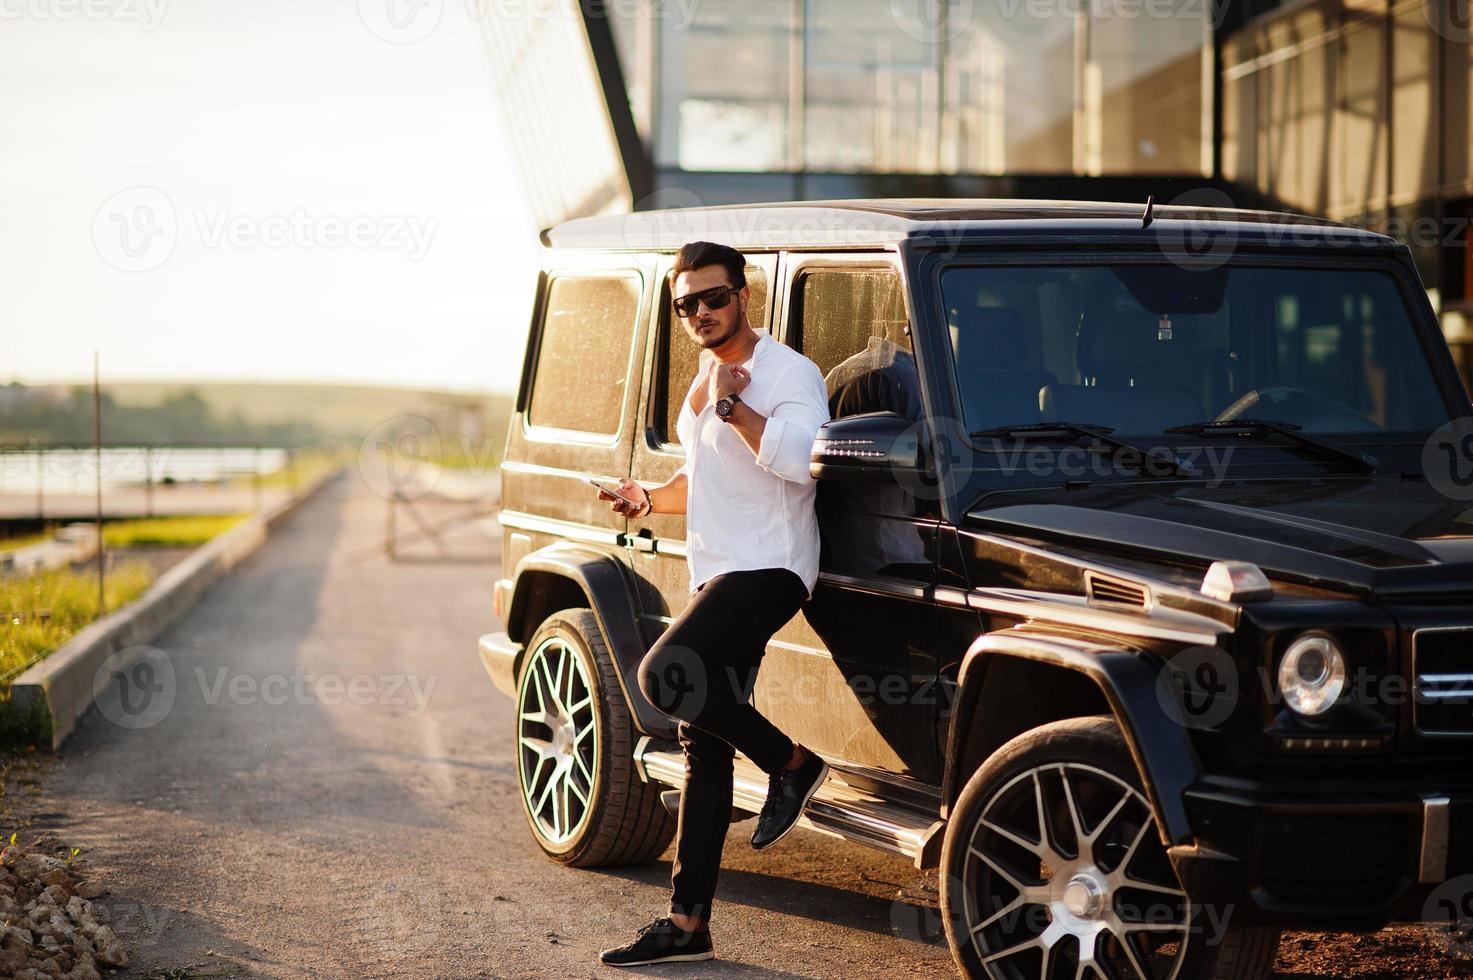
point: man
(747, 426)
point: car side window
(679, 355)
(583, 355)
(852, 324)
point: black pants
(702, 672)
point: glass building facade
(1080, 87)
(1359, 110)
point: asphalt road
(316, 778)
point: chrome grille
(1442, 660)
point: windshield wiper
(1099, 433)
(1288, 430)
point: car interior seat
(992, 356)
(1122, 358)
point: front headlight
(1312, 674)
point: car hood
(1389, 536)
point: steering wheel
(1304, 408)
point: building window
(723, 100)
(583, 353)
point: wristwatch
(725, 406)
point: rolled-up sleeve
(787, 439)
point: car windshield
(1142, 347)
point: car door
(657, 541)
(575, 412)
(854, 675)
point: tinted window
(853, 326)
(1144, 347)
(583, 360)
(679, 354)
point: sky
(258, 190)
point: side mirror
(874, 447)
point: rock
(78, 909)
(112, 954)
(91, 889)
(84, 971)
(51, 967)
(57, 876)
(54, 895)
(12, 961)
(31, 975)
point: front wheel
(583, 800)
(1053, 868)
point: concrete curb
(60, 689)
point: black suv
(1146, 610)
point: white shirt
(742, 512)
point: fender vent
(1116, 592)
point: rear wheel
(1053, 869)
(583, 800)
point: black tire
(997, 882)
(622, 821)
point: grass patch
(168, 532)
(43, 610)
(24, 540)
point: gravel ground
(315, 779)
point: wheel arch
(566, 576)
(997, 701)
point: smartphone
(612, 491)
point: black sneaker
(787, 794)
(662, 941)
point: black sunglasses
(714, 298)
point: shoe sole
(823, 775)
(709, 954)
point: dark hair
(698, 255)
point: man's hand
(728, 379)
(624, 508)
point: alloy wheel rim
(1065, 877)
(557, 739)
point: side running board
(841, 808)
